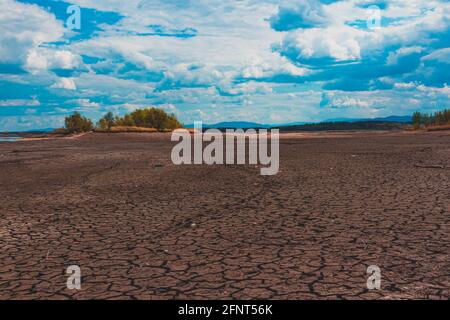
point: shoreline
(31, 136)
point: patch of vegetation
(118, 129)
(437, 119)
(141, 118)
(76, 123)
(336, 126)
(106, 122)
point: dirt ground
(140, 227)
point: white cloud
(19, 103)
(340, 42)
(302, 14)
(269, 67)
(23, 28)
(336, 100)
(84, 103)
(441, 55)
(252, 87)
(393, 57)
(64, 83)
(211, 74)
(44, 58)
(405, 85)
(30, 111)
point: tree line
(342, 125)
(439, 118)
(146, 118)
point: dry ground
(140, 227)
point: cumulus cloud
(259, 68)
(394, 56)
(252, 87)
(340, 41)
(304, 14)
(441, 55)
(25, 27)
(410, 46)
(84, 103)
(44, 58)
(332, 100)
(311, 46)
(64, 83)
(220, 60)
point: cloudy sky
(220, 60)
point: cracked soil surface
(140, 227)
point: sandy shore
(141, 227)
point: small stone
(193, 225)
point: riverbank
(140, 227)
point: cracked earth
(140, 227)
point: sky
(264, 61)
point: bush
(106, 122)
(76, 123)
(153, 119)
(149, 118)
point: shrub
(106, 122)
(153, 119)
(149, 118)
(76, 123)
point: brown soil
(140, 227)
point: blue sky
(255, 60)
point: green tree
(76, 123)
(416, 119)
(149, 118)
(107, 121)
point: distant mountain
(404, 119)
(246, 124)
(299, 123)
(44, 130)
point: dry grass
(59, 131)
(191, 130)
(120, 129)
(167, 130)
(439, 128)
